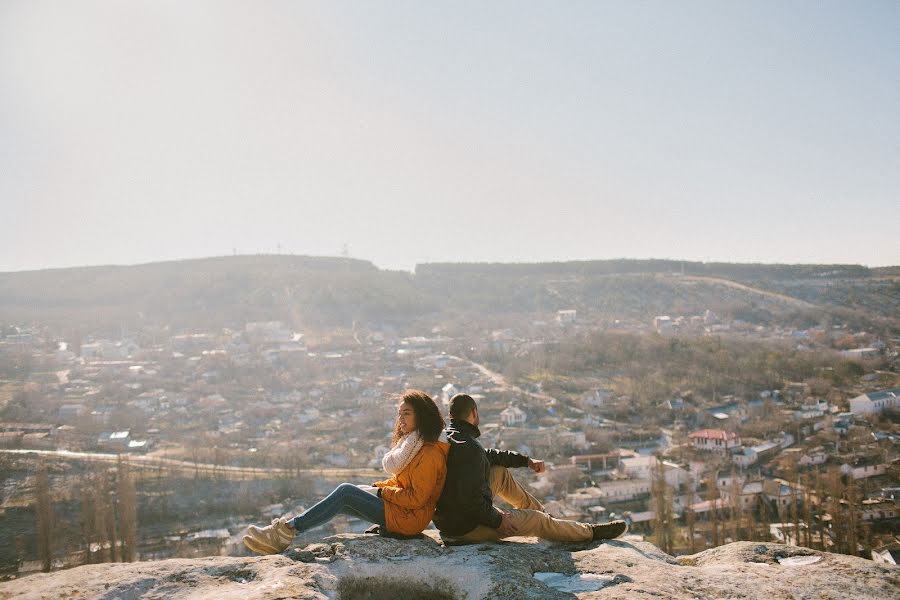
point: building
(620, 491)
(864, 467)
(565, 317)
(513, 416)
(888, 555)
(716, 440)
(875, 402)
(859, 353)
(746, 495)
(663, 322)
(448, 391)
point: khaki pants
(527, 515)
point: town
(697, 428)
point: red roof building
(717, 440)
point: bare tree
(663, 510)
(736, 488)
(690, 518)
(127, 503)
(44, 513)
(712, 496)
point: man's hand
(537, 466)
(506, 528)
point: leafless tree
(44, 513)
(127, 504)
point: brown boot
(609, 531)
(270, 539)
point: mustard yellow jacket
(411, 495)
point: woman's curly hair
(429, 422)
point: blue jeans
(346, 499)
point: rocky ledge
(370, 567)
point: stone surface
(373, 568)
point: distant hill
(321, 293)
(224, 291)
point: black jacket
(467, 501)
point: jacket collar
(465, 427)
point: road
(500, 381)
(207, 469)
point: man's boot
(609, 531)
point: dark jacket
(467, 501)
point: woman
(401, 505)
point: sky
(409, 132)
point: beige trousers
(527, 515)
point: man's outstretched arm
(507, 458)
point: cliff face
(373, 568)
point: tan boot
(270, 539)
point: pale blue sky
(467, 131)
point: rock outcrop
(370, 567)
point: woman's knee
(344, 488)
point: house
(448, 391)
(880, 509)
(566, 317)
(746, 494)
(779, 492)
(675, 404)
(646, 467)
(726, 479)
(859, 353)
(663, 322)
(620, 491)
(116, 440)
(812, 410)
(863, 468)
(745, 457)
(585, 497)
(716, 440)
(807, 458)
(875, 402)
(888, 555)
(513, 416)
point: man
(465, 511)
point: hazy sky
(135, 131)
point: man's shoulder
(465, 447)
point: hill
(318, 293)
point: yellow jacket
(411, 495)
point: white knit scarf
(400, 455)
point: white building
(448, 391)
(619, 491)
(663, 322)
(875, 402)
(513, 416)
(716, 440)
(564, 317)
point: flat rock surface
(374, 568)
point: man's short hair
(461, 406)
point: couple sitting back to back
(453, 483)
